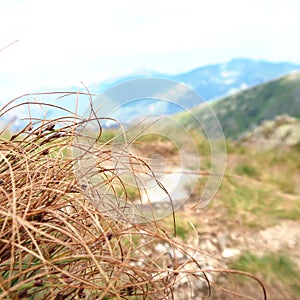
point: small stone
(231, 253)
(161, 248)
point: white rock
(230, 253)
(162, 248)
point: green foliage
(183, 227)
(285, 183)
(257, 206)
(244, 111)
(272, 267)
(248, 170)
(269, 167)
(151, 137)
(108, 134)
(183, 230)
(280, 168)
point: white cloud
(68, 41)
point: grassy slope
(256, 197)
(242, 112)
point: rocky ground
(282, 130)
(222, 242)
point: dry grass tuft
(55, 245)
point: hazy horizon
(64, 43)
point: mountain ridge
(244, 111)
(212, 82)
(215, 80)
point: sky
(60, 43)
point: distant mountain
(12, 119)
(211, 82)
(244, 111)
(217, 80)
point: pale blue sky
(63, 42)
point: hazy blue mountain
(215, 81)
(218, 80)
(211, 82)
(100, 87)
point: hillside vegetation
(242, 112)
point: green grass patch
(271, 266)
(286, 184)
(183, 227)
(257, 205)
(247, 170)
(275, 269)
(278, 167)
(108, 134)
(152, 137)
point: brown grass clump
(55, 245)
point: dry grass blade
(55, 245)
